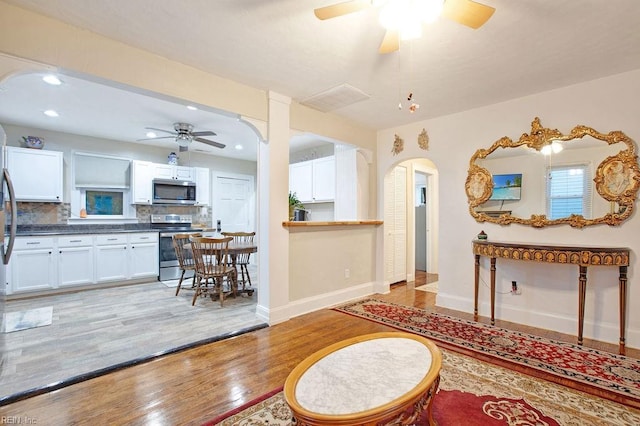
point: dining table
(234, 249)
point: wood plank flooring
(97, 329)
(193, 386)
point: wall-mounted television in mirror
(507, 187)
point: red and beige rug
(607, 375)
(474, 393)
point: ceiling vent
(337, 97)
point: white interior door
(234, 200)
(395, 223)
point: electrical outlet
(347, 273)
(515, 290)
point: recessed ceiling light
(192, 108)
(239, 147)
(51, 113)
(52, 80)
(151, 135)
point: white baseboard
(601, 331)
(310, 304)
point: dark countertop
(33, 230)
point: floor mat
(24, 320)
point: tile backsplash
(57, 214)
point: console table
(583, 256)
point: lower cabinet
(111, 257)
(143, 256)
(48, 263)
(33, 265)
(75, 260)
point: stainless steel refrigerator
(8, 220)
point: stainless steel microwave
(170, 191)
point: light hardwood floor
(198, 384)
(99, 329)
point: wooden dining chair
(211, 259)
(184, 256)
(242, 259)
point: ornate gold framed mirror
(549, 178)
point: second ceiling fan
(406, 16)
(183, 134)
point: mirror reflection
(547, 178)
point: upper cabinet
(36, 174)
(169, 171)
(141, 178)
(314, 180)
(203, 186)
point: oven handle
(172, 233)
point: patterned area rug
(607, 375)
(474, 393)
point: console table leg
(476, 286)
(623, 308)
(493, 291)
(582, 288)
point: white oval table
(380, 378)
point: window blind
(93, 171)
(568, 191)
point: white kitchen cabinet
(125, 256)
(314, 180)
(36, 174)
(33, 265)
(169, 171)
(324, 179)
(300, 180)
(75, 260)
(203, 186)
(141, 177)
(111, 257)
(52, 262)
(143, 255)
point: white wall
(549, 292)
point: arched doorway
(403, 230)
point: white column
(273, 209)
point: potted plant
(294, 203)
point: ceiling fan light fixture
(183, 139)
(407, 16)
(411, 31)
(553, 147)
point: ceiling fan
(184, 135)
(403, 18)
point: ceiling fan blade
(390, 43)
(211, 143)
(467, 12)
(153, 139)
(205, 133)
(161, 130)
(340, 9)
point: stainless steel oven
(169, 225)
